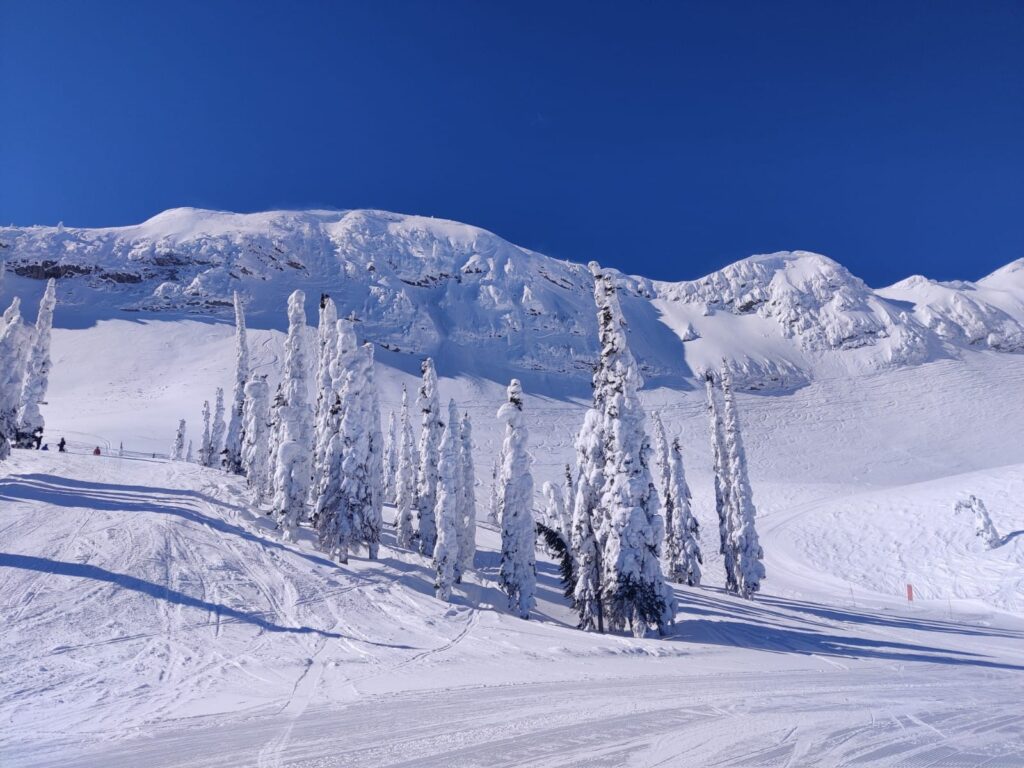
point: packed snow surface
(152, 616)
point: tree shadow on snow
(62, 492)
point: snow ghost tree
(327, 339)
(431, 426)
(12, 347)
(206, 447)
(405, 480)
(188, 453)
(586, 522)
(984, 528)
(682, 532)
(218, 428)
(178, 447)
(554, 509)
(517, 575)
(722, 486)
(467, 515)
(390, 458)
(293, 470)
(327, 465)
(634, 591)
(233, 441)
(448, 507)
(373, 517)
(37, 374)
(746, 547)
(256, 438)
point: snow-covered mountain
(423, 286)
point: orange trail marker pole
(910, 593)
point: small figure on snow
(62, 446)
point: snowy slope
(151, 617)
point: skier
(62, 446)
(96, 451)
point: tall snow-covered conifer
(373, 518)
(430, 438)
(586, 521)
(745, 544)
(390, 458)
(634, 591)
(405, 480)
(37, 373)
(178, 446)
(256, 434)
(682, 533)
(206, 446)
(517, 574)
(293, 471)
(448, 507)
(217, 428)
(233, 440)
(722, 481)
(326, 390)
(13, 342)
(467, 521)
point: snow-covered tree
(293, 471)
(984, 528)
(722, 479)
(405, 480)
(745, 544)
(333, 384)
(233, 440)
(326, 390)
(431, 426)
(634, 591)
(12, 355)
(256, 432)
(178, 447)
(492, 507)
(206, 446)
(217, 428)
(682, 532)
(467, 522)
(586, 521)
(188, 453)
(373, 518)
(448, 507)
(517, 574)
(554, 508)
(37, 374)
(390, 458)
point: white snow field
(150, 616)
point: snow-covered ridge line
(427, 286)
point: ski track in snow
(151, 617)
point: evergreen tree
(554, 508)
(188, 453)
(448, 507)
(256, 431)
(326, 387)
(292, 474)
(206, 447)
(430, 436)
(744, 539)
(178, 447)
(634, 591)
(682, 532)
(405, 480)
(339, 368)
(722, 495)
(467, 516)
(586, 545)
(390, 458)
(373, 518)
(233, 441)
(217, 429)
(492, 509)
(13, 343)
(517, 573)
(37, 374)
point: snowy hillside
(422, 286)
(152, 616)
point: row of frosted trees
(24, 372)
(620, 538)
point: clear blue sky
(665, 138)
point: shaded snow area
(150, 615)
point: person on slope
(62, 446)
(96, 451)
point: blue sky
(665, 138)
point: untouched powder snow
(151, 616)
